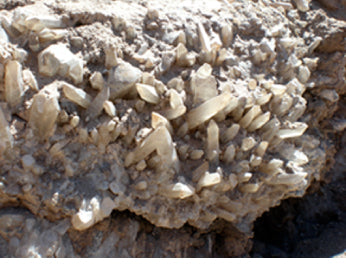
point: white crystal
(175, 100)
(250, 188)
(97, 105)
(74, 121)
(209, 179)
(109, 107)
(38, 23)
(111, 57)
(181, 191)
(278, 89)
(49, 35)
(213, 141)
(203, 38)
(90, 213)
(295, 130)
(209, 108)
(148, 93)
(244, 177)
(159, 140)
(258, 122)
(157, 120)
(28, 162)
(249, 116)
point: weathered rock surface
(195, 120)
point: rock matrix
(180, 115)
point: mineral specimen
(176, 115)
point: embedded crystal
(14, 85)
(6, 140)
(76, 95)
(44, 111)
(209, 108)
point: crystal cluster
(201, 126)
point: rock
(59, 60)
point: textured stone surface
(195, 120)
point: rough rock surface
(171, 130)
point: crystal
(14, 85)
(249, 116)
(77, 95)
(181, 191)
(209, 179)
(209, 108)
(212, 141)
(57, 59)
(230, 133)
(203, 84)
(6, 140)
(258, 122)
(44, 111)
(295, 130)
(122, 79)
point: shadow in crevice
(313, 226)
